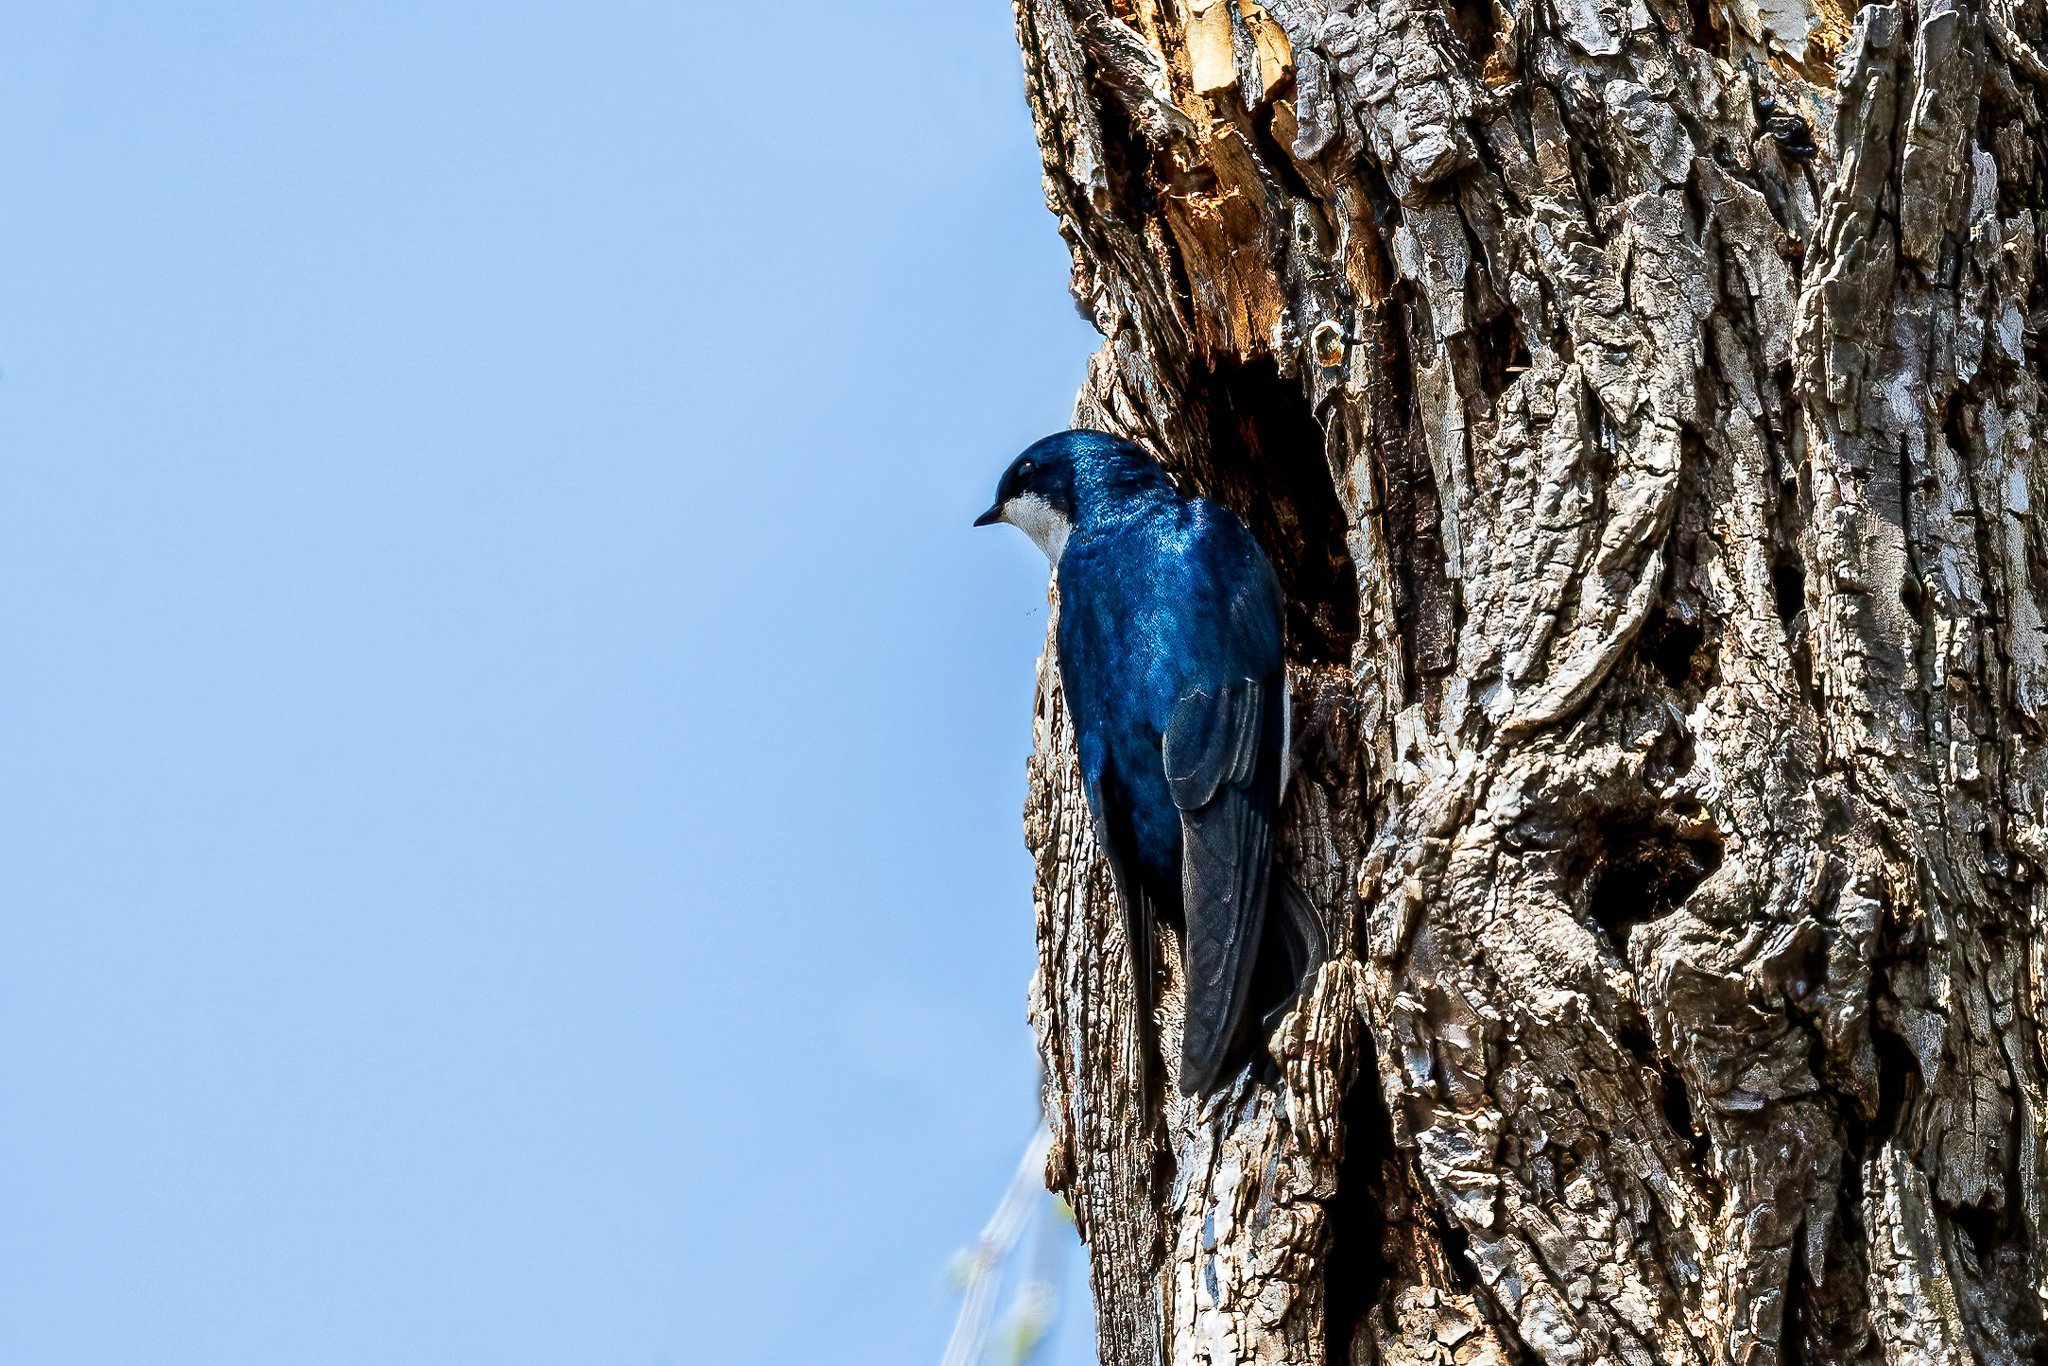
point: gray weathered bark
(1641, 415)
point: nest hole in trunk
(1267, 462)
(1643, 866)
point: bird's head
(1070, 477)
(1036, 495)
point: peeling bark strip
(1641, 415)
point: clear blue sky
(509, 812)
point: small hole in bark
(1911, 596)
(1671, 646)
(1267, 463)
(1678, 1112)
(1599, 184)
(1788, 587)
(1645, 869)
(1673, 1093)
(1498, 353)
(1788, 593)
(1983, 1227)
(1355, 1272)
(1698, 213)
(1898, 1081)
(1708, 35)
(1457, 1245)
(1478, 27)
(1127, 161)
(1278, 159)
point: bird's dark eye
(1025, 471)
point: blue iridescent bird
(1170, 657)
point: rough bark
(1638, 402)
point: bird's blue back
(1160, 596)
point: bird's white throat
(1041, 521)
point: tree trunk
(1638, 403)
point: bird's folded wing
(1212, 750)
(1113, 838)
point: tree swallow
(1169, 640)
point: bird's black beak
(991, 517)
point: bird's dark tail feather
(1295, 948)
(1139, 917)
(1307, 945)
